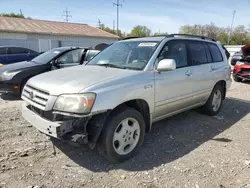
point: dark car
(13, 54)
(14, 76)
(236, 57)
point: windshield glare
(131, 55)
(47, 56)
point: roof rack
(130, 38)
(192, 36)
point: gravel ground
(187, 150)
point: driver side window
(175, 50)
(71, 57)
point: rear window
(2, 51)
(15, 50)
(215, 52)
(197, 52)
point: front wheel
(122, 135)
(214, 102)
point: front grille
(35, 95)
(244, 71)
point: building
(42, 35)
(233, 48)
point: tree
(107, 29)
(12, 15)
(140, 31)
(160, 34)
(239, 35)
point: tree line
(238, 35)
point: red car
(242, 67)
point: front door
(173, 89)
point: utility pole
(67, 15)
(99, 23)
(118, 5)
(231, 28)
(21, 12)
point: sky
(158, 15)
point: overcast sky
(158, 15)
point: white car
(114, 100)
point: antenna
(118, 5)
(67, 15)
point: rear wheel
(214, 102)
(122, 135)
(237, 79)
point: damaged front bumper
(82, 130)
(54, 129)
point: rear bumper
(9, 88)
(54, 129)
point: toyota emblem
(31, 94)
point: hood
(246, 50)
(17, 66)
(75, 79)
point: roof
(145, 39)
(21, 25)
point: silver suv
(113, 101)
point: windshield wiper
(111, 65)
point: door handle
(188, 73)
(213, 68)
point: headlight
(75, 103)
(239, 63)
(1, 65)
(8, 75)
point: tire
(237, 79)
(212, 109)
(122, 135)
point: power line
(67, 15)
(231, 28)
(118, 5)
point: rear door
(3, 58)
(201, 61)
(219, 68)
(89, 55)
(17, 54)
(71, 58)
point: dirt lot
(188, 150)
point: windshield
(130, 55)
(47, 56)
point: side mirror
(166, 65)
(56, 63)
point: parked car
(14, 76)
(242, 67)
(13, 54)
(112, 101)
(236, 57)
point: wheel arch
(224, 85)
(141, 106)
